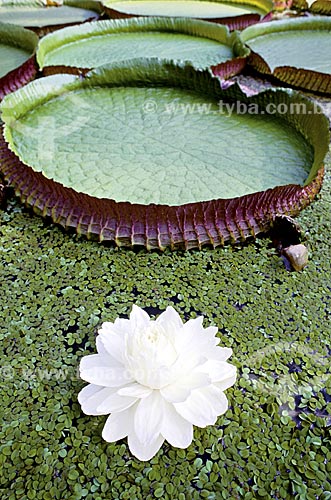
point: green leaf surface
(35, 15)
(11, 58)
(93, 44)
(16, 46)
(304, 48)
(189, 8)
(116, 148)
(155, 145)
(296, 51)
(17, 56)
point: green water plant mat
(39, 15)
(155, 153)
(236, 13)
(296, 51)
(90, 45)
(17, 56)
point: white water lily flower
(156, 379)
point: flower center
(151, 353)
(153, 333)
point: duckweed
(56, 290)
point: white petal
(194, 324)
(148, 417)
(118, 425)
(119, 327)
(203, 406)
(219, 370)
(114, 403)
(113, 344)
(210, 333)
(135, 390)
(221, 353)
(113, 337)
(196, 379)
(187, 362)
(196, 339)
(100, 346)
(104, 370)
(139, 318)
(175, 393)
(179, 391)
(223, 403)
(175, 429)
(228, 382)
(91, 396)
(170, 315)
(106, 327)
(144, 451)
(191, 331)
(95, 360)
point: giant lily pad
(93, 44)
(17, 56)
(235, 13)
(155, 153)
(295, 51)
(42, 16)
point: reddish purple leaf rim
(188, 226)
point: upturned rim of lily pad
(295, 77)
(55, 6)
(233, 22)
(191, 225)
(21, 38)
(186, 26)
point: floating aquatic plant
(156, 153)
(235, 14)
(157, 379)
(294, 51)
(43, 16)
(79, 48)
(17, 55)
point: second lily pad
(17, 54)
(42, 17)
(295, 51)
(90, 45)
(235, 13)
